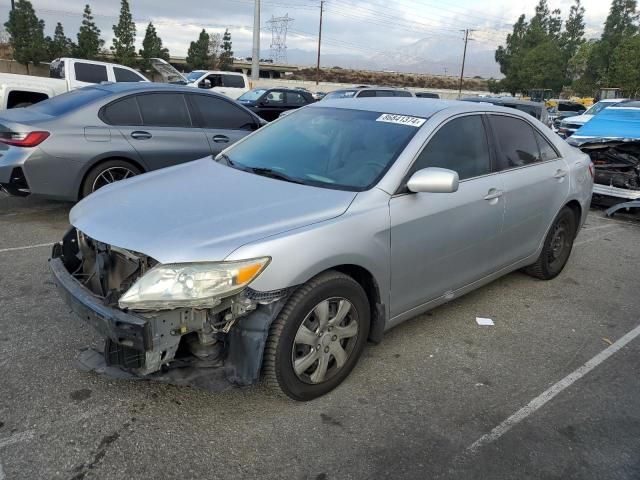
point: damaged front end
(617, 169)
(104, 285)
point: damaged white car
(279, 258)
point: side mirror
(433, 180)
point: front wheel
(557, 246)
(318, 337)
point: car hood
(201, 211)
(578, 119)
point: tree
(152, 48)
(580, 69)
(198, 53)
(573, 35)
(124, 37)
(625, 66)
(27, 34)
(215, 47)
(619, 25)
(60, 45)
(89, 41)
(543, 67)
(226, 57)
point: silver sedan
(284, 255)
(73, 144)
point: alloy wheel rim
(111, 175)
(325, 340)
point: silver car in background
(281, 257)
(70, 145)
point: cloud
(351, 27)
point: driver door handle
(493, 194)
(221, 139)
(140, 135)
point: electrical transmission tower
(279, 27)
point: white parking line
(548, 394)
(14, 249)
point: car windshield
(195, 75)
(326, 147)
(598, 107)
(69, 101)
(252, 95)
(340, 94)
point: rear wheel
(318, 337)
(557, 247)
(106, 173)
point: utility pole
(464, 56)
(13, 4)
(255, 55)
(319, 43)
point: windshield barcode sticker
(401, 120)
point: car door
(294, 100)
(223, 121)
(271, 104)
(536, 184)
(441, 242)
(166, 135)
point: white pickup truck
(231, 84)
(65, 74)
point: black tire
(91, 182)
(278, 362)
(557, 246)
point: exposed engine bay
(617, 164)
(230, 336)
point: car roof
(419, 107)
(122, 87)
(502, 100)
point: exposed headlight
(197, 285)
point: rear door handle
(560, 174)
(493, 194)
(221, 139)
(141, 135)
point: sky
(354, 31)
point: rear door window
(164, 110)
(367, 93)
(124, 75)
(469, 158)
(87, 72)
(547, 152)
(516, 142)
(295, 98)
(400, 93)
(233, 81)
(216, 113)
(122, 112)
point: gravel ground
(411, 408)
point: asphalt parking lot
(430, 401)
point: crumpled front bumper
(122, 328)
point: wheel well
(17, 97)
(100, 162)
(371, 288)
(576, 208)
